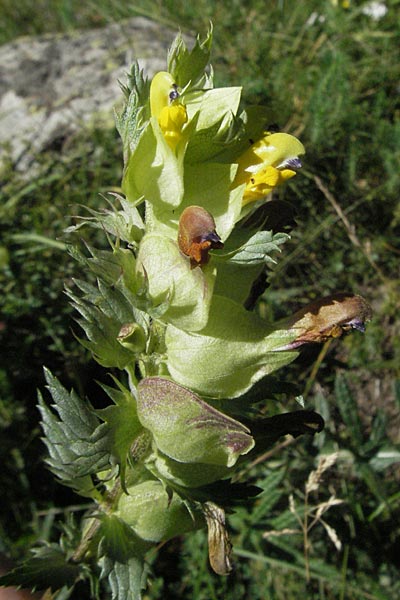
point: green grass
(334, 84)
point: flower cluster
(194, 234)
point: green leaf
(136, 111)
(118, 541)
(243, 261)
(48, 567)
(258, 249)
(104, 310)
(123, 425)
(76, 441)
(125, 224)
(125, 578)
(188, 66)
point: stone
(53, 86)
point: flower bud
(162, 90)
(165, 106)
(132, 337)
(197, 235)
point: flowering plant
(173, 307)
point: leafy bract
(154, 156)
(189, 65)
(155, 515)
(103, 310)
(136, 111)
(188, 429)
(126, 224)
(186, 292)
(258, 249)
(233, 351)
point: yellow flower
(267, 164)
(165, 106)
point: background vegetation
(330, 76)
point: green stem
(88, 535)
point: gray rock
(53, 85)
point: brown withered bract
(197, 235)
(219, 545)
(328, 317)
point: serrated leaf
(76, 441)
(104, 310)
(126, 225)
(48, 567)
(189, 65)
(109, 266)
(118, 541)
(125, 579)
(258, 249)
(76, 414)
(136, 111)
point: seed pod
(197, 235)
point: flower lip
(357, 324)
(214, 238)
(290, 163)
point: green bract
(231, 354)
(187, 429)
(186, 292)
(153, 515)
